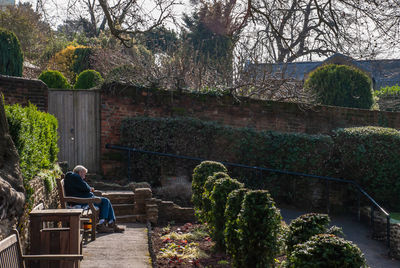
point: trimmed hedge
(370, 156)
(206, 207)
(222, 188)
(210, 140)
(35, 136)
(304, 227)
(232, 209)
(200, 175)
(326, 251)
(54, 79)
(259, 224)
(341, 85)
(88, 79)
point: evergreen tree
(11, 58)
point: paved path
(375, 252)
(119, 250)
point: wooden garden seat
(11, 254)
(91, 212)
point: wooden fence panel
(78, 114)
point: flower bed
(187, 245)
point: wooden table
(62, 237)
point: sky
(58, 9)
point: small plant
(11, 58)
(259, 224)
(388, 91)
(208, 187)
(88, 79)
(326, 250)
(340, 85)
(200, 175)
(54, 79)
(233, 206)
(304, 227)
(222, 188)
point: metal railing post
(358, 206)
(129, 165)
(327, 197)
(388, 230)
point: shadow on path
(376, 252)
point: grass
(395, 216)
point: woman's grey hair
(79, 168)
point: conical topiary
(11, 58)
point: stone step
(131, 218)
(120, 197)
(123, 209)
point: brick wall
(22, 91)
(120, 101)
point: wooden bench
(11, 255)
(91, 212)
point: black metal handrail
(356, 185)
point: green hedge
(88, 79)
(210, 140)
(326, 251)
(35, 136)
(370, 156)
(366, 155)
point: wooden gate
(78, 114)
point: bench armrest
(98, 193)
(92, 200)
(54, 257)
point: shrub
(388, 91)
(206, 207)
(370, 157)
(326, 251)
(304, 227)
(211, 140)
(81, 60)
(222, 188)
(232, 209)
(88, 79)
(340, 85)
(54, 79)
(35, 136)
(200, 175)
(11, 58)
(259, 224)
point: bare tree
(129, 17)
(289, 30)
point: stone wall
(22, 91)
(120, 101)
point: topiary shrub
(340, 85)
(206, 207)
(88, 79)
(222, 188)
(54, 79)
(259, 224)
(200, 175)
(11, 58)
(304, 227)
(328, 251)
(232, 209)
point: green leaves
(341, 85)
(54, 79)
(11, 58)
(34, 134)
(326, 251)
